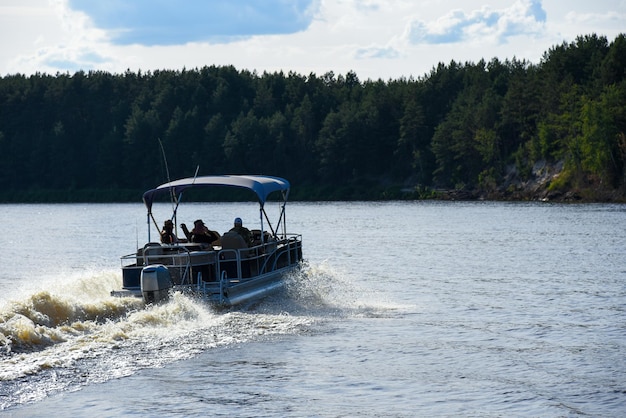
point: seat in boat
(150, 253)
(233, 241)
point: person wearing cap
(242, 230)
(200, 233)
(167, 234)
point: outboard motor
(156, 283)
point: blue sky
(167, 22)
(385, 39)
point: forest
(493, 129)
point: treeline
(478, 128)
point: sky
(376, 39)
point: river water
(402, 309)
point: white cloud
(375, 38)
(70, 44)
(524, 17)
(612, 18)
(377, 52)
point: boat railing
(282, 252)
(264, 258)
(239, 263)
(245, 262)
(177, 258)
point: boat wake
(326, 291)
(74, 334)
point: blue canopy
(263, 186)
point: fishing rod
(180, 197)
(173, 199)
(156, 225)
(167, 172)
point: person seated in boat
(167, 233)
(242, 230)
(200, 233)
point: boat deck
(217, 273)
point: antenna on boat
(180, 195)
(167, 172)
(173, 198)
(195, 176)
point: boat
(226, 272)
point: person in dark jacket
(200, 233)
(242, 230)
(167, 234)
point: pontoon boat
(226, 272)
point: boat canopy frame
(262, 186)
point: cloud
(166, 22)
(524, 17)
(610, 18)
(58, 40)
(377, 52)
(377, 38)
